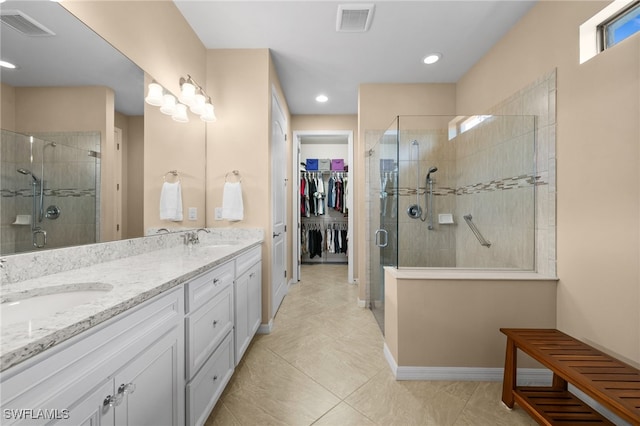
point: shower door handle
(386, 238)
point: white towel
(171, 202)
(232, 208)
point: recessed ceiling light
(432, 58)
(322, 98)
(5, 64)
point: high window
(619, 27)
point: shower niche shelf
(22, 220)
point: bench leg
(510, 366)
(559, 383)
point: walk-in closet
(323, 199)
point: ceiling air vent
(354, 18)
(24, 24)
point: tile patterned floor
(323, 365)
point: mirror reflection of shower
(36, 184)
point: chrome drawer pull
(215, 322)
(215, 378)
(216, 281)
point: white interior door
(278, 205)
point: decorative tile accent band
(61, 192)
(521, 181)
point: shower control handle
(386, 238)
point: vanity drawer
(206, 327)
(201, 289)
(247, 260)
(205, 388)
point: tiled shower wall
(539, 99)
(71, 182)
(492, 172)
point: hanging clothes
(343, 241)
(315, 243)
(338, 200)
(331, 193)
(312, 199)
(345, 191)
(303, 187)
(304, 248)
(319, 194)
(329, 239)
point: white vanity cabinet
(126, 371)
(248, 299)
(209, 339)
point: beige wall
(134, 205)
(598, 163)
(421, 330)
(7, 107)
(240, 82)
(155, 36)
(378, 105)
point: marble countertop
(134, 279)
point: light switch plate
(218, 213)
(193, 213)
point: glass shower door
(383, 216)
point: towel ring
(172, 172)
(235, 173)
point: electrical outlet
(193, 213)
(218, 213)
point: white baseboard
(526, 376)
(362, 303)
(265, 328)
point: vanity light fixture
(155, 94)
(209, 115)
(191, 95)
(180, 114)
(187, 92)
(194, 96)
(168, 104)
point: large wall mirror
(72, 142)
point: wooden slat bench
(613, 383)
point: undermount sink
(43, 302)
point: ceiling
(312, 58)
(74, 56)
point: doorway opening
(323, 199)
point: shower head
(28, 172)
(431, 170)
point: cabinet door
(248, 312)
(95, 409)
(150, 385)
(255, 299)
(241, 323)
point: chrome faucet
(192, 237)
